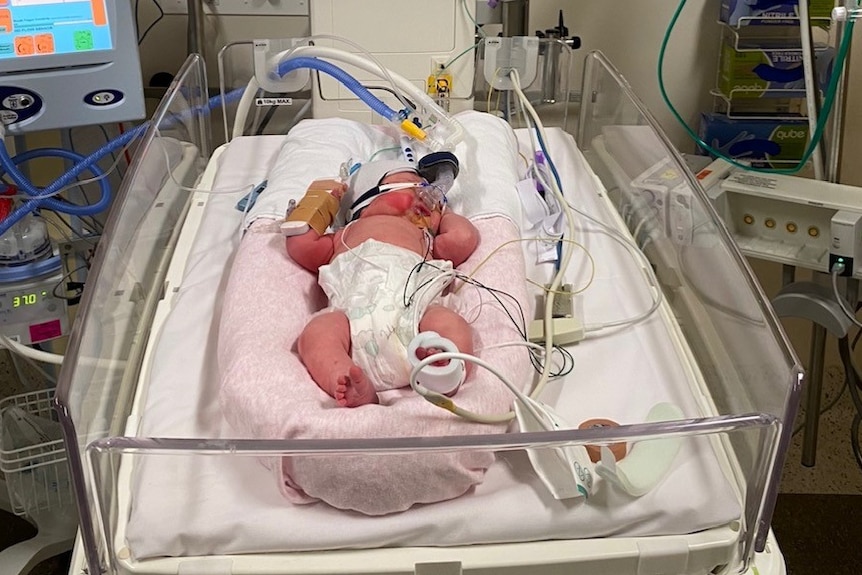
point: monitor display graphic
(32, 28)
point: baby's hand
(339, 191)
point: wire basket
(32, 454)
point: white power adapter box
(845, 244)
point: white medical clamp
(439, 379)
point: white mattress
(211, 505)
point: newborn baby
(381, 273)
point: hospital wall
(850, 168)
(630, 33)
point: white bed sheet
(211, 505)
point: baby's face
(405, 203)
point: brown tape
(595, 451)
(318, 206)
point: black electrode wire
(63, 279)
(79, 235)
(850, 369)
(567, 361)
(267, 117)
(407, 100)
(521, 326)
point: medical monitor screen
(33, 28)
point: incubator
(185, 435)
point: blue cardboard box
(765, 143)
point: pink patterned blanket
(267, 393)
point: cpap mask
(365, 199)
(438, 170)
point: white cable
(183, 187)
(25, 351)
(811, 83)
(633, 249)
(57, 359)
(540, 349)
(567, 249)
(80, 182)
(243, 106)
(646, 267)
(840, 299)
(449, 405)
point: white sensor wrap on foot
(442, 379)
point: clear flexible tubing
(289, 64)
(42, 197)
(69, 208)
(828, 101)
(425, 103)
(383, 71)
(349, 82)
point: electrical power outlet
(438, 63)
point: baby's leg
(450, 325)
(324, 347)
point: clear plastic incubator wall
(703, 389)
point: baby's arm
(315, 248)
(456, 239)
(310, 250)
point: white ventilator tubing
(243, 107)
(811, 83)
(426, 105)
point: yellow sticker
(440, 85)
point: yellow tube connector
(413, 130)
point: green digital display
(25, 300)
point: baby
(379, 294)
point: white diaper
(371, 284)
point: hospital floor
(817, 519)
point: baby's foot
(423, 352)
(354, 389)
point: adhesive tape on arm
(443, 379)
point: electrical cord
(446, 403)
(853, 374)
(566, 252)
(152, 25)
(25, 351)
(472, 19)
(848, 377)
(121, 173)
(77, 297)
(837, 269)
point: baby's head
(391, 188)
(408, 201)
